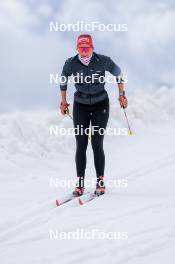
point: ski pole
(67, 113)
(129, 128)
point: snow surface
(30, 157)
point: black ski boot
(100, 187)
(79, 189)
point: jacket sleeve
(66, 72)
(113, 68)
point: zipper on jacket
(88, 85)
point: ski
(87, 198)
(64, 200)
(68, 198)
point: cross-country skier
(91, 105)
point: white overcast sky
(29, 52)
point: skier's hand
(123, 101)
(64, 107)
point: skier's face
(84, 50)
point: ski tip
(80, 201)
(57, 203)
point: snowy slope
(144, 209)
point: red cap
(85, 39)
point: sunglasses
(86, 49)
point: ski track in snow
(145, 209)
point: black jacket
(93, 92)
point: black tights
(97, 115)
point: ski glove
(123, 101)
(64, 107)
